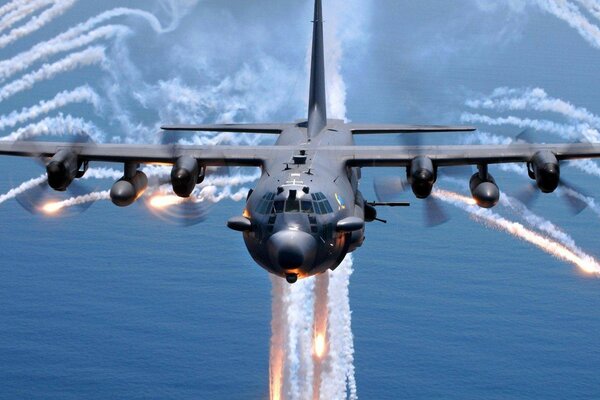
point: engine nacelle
(485, 192)
(545, 169)
(422, 176)
(185, 175)
(62, 169)
(127, 190)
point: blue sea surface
(113, 304)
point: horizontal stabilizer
(383, 129)
(241, 128)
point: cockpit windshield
(317, 203)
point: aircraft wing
(238, 128)
(146, 154)
(397, 156)
(358, 156)
(370, 129)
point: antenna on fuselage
(317, 106)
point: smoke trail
(44, 50)
(338, 381)
(571, 132)
(23, 11)
(591, 6)
(89, 56)
(320, 333)
(570, 13)
(298, 302)
(57, 126)
(278, 336)
(79, 95)
(507, 99)
(54, 207)
(37, 22)
(77, 37)
(561, 251)
(24, 187)
(8, 7)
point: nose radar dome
(292, 250)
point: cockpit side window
(266, 204)
(278, 206)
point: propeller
(42, 200)
(390, 187)
(387, 189)
(162, 203)
(570, 193)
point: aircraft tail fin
(317, 107)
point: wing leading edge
(358, 156)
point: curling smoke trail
(22, 12)
(77, 36)
(571, 14)
(24, 187)
(89, 56)
(41, 51)
(507, 99)
(57, 126)
(79, 95)
(10, 6)
(561, 251)
(59, 8)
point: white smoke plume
(561, 251)
(22, 12)
(570, 132)
(89, 56)
(22, 188)
(24, 60)
(53, 208)
(571, 14)
(338, 381)
(10, 6)
(508, 99)
(82, 94)
(37, 22)
(591, 6)
(77, 36)
(58, 126)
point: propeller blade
(389, 188)
(37, 200)
(528, 194)
(175, 210)
(435, 214)
(573, 197)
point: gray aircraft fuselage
(298, 202)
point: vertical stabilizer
(317, 106)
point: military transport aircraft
(306, 212)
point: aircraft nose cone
(292, 250)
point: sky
(458, 311)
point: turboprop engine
(62, 169)
(422, 176)
(544, 168)
(185, 175)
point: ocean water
(113, 303)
